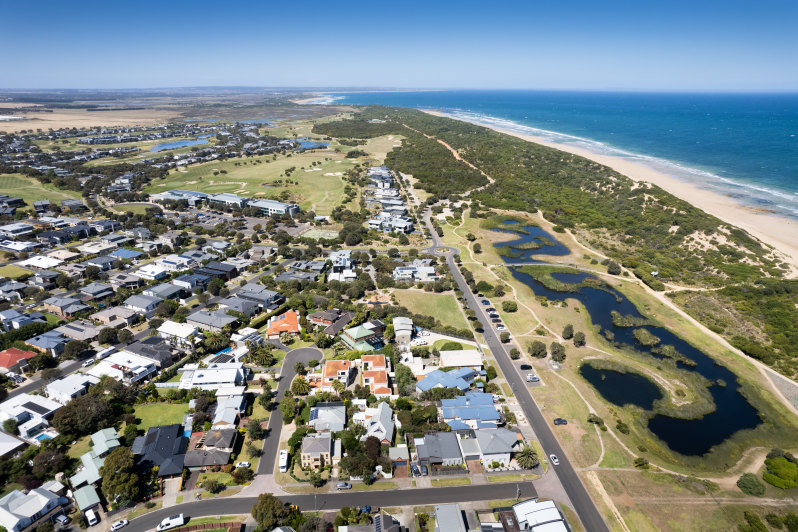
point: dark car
(526, 366)
(415, 470)
(485, 302)
(480, 295)
(560, 421)
(424, 470)
(496, 320)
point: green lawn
(440, 343)
(30, 190)
(313, 189)
(155, 414)
(224, 478)
(80, 448)
(135, 209)
(453, 481)
(443, 306)
(14, 272)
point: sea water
(740, 145)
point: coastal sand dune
(776, 231)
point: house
(213, 321)
(438, 448)
(328, 417)
(64, 307)
(403, 330)
(470, 358)
(154, 348)
(32, 413)
(177, 263)
(413, 273)
(40, 262)
(79, 330)
(23, 512)
(41, 206)
(539, 516)
(126, 281)
(144, 305)
(333, 321)
(257, 293)
(10, 319)
(215, 376)
(497, 445)
(215, 450)
(125, 254)
(180, 335)
(86, 498)
(16, 230)
(286, 323)
(192, 281)
(166, 291)
(124, 366)
(230, 404)
(10, 445)
(218, 270)
(151, 272)
(13, 359)
(139, 233)
(237, 304)
(102, 226)
(472, 410)
(116, 317)
(316, 451)
(459, 378)
(163, 446)
(364, 337)
(375, 374)
(73, 205)
(336, 370)
(96, 248)
(51, 342)
(449, 518)
(67, 388)
(103, 442)
(45, 279)
(104, 262)
(292, 275)
(378, 422)
(119, 240)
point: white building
(462, 359)
(67, 388)
(32, 413)
(176, 263)
(151, 272)
(403, 330)
(539, 516)
(179, 334)
(213, 377)
(20, 511)
(125, 366)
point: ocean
(740, 145)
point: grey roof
(316, 443)
(153, 347)
(95, 289)
(141, 301)
(240, 305)
(496, 441)
(164, 446)
(440, 445)
(449, 518)
(381, 423)
(328, 417)
(224, 438)
(217, 318)
(205, 457)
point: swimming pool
(43, 436)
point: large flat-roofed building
(67, 388)
(539, 516)
(270, 207)
(193, 198)
(215, 376)
(231, 200)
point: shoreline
(776, 231)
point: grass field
(135, 209)
(319, 188)
(80, 448)
(14, 272)
(30, 190)
(454, 481)
(443, 306)
(155, 414)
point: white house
(67, 388)
(124, 366)
(32, 413)
(20, 511)
(215, 376)
(462, 359)
(151, 272)
(179, 334)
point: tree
(316, 479)
(515, 354)
(373, 447)
(338, 386)
(255, 430)
(124, 336)
(288, 409)
(579, 339)
(119, 479)
(299, 368)
(108, 335)
(498, 291)
(568, 332)
(477, 248)
(509, 306)
(300, 386)
(10, 426)
(48, 462)
(613, 268)
(213, 485)
(92, 273)
(83, 415)
(557, 352)
(242, 474)
(215, 286)
(50, 374)
(470, 237)
(74, 348)
(527, 457)
(504, 336)
(270, 512)
(750, 484)
(405, 380)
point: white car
(243, 464)
(88, 363)
(554, 459)
(91, 517)
(122, 523)
(171, 522)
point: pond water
(311, 145)
(690, 437)
(622, 388)
(177, 144)
(529, 234)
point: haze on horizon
(580, 45)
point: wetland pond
(690, 437)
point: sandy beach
(779, 232)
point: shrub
(515, 354)
(622, 427)
(641, 463)
(509, 306)
(750, 484)
(579, 339)
(568, 332)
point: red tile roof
(284, 323)
(12, 356)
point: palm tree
(300, 386)
(527, 457)
(338, 386)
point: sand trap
(313, 170)
(191, 182)
(333, 173)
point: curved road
(585, 507)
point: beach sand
(779, 232)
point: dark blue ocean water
(742, 145)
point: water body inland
(690, 437)
(177, 144)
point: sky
(727, 45)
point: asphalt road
(580, 498)
(287, 374)
(334, 501)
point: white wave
(780, 201)
(324, 99)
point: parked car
(496, 320)
(485, 302)
(560, 421)
(531, 377)
(490, 309)
(480, 295)
(62, 520)
(500, 327)
(171, 522)
(415, 470)
(122, 523)
(243, 464)
(424, 470)
(88, 363)
(526, 366)
(554, 459)
(343, 486)
(91, 517)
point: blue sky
(589, 45)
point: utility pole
(517, 492)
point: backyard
(443, 306)
(155, 414)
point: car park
(531, 377)
(171, 522)
(122, 523)
(243, 464)
(560, 421)
(554, 459)
(343, 486)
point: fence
(230, 526)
